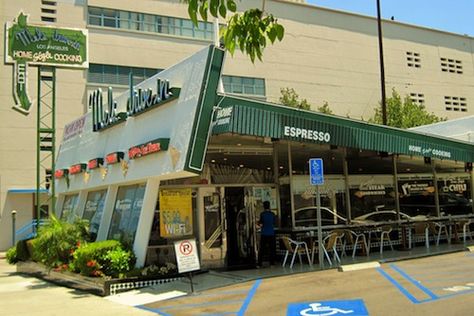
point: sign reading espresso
(306, 134)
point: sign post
(187, 258)
(316, 172)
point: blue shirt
(267, 219)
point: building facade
(326, 56)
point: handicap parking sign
(327, 308)
(316, 171)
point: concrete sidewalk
(28, 296)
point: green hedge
(102, 258)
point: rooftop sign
(41, 45)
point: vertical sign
(316, 171)
(41, 45)
(176, 217)
(316, 174)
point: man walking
(267, 235)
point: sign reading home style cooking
(41, 45)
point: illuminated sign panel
(78, 168)
(61, 173)
(114, 157)
(153, 146)
(95, 163)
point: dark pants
(267, 243)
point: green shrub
(89, 258)
(22, 252)
(117, 262)
(11, 256)
(57, 241)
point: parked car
(386, 216)
(449, 204)
(306, 217)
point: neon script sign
(105, 115)
(151, 147)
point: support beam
(345, 168)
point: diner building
(327, 56)
(173, 158)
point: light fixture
(241, 166)
(408, 169)
(213, 160)
(268, 168)
(225, 159)
(239, 144)
(281, 167)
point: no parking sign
(186, 255)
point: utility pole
(382, 68)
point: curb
(359, 266)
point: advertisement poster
(176, 217)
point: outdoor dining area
(380, 241)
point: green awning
(251, 117)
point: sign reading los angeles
(41, 45)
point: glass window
(128, 205)
(149, 23)
(69, 207)
(244, 85)
(124, 20)
(93, 211)
(111, 74)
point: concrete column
(435, 183)
(81, 203)
(292, 198)
(59, 205)
(276, 176)
(345, 169)
(109, 204)
(395, 184)
(472, 189)
(145, 221)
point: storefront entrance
(241, 228)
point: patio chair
(383, 235)
(463, 226)
(437, 228)
(330, 243)
(420, 229)
(296, 248)
(354, 239)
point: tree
(404, 114)
(249, 31)
(325, 108)
(290, 98)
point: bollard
(13, 227)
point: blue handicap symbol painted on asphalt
(327, 308)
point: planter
(98, 286)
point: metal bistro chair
(296, 248)
(330, 243)
(420, 229)
(437, 229)
(384, 236)
(354, 239)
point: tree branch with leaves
(248, 31)
(404, 113)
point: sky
(455, 16)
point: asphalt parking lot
(438, 285)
